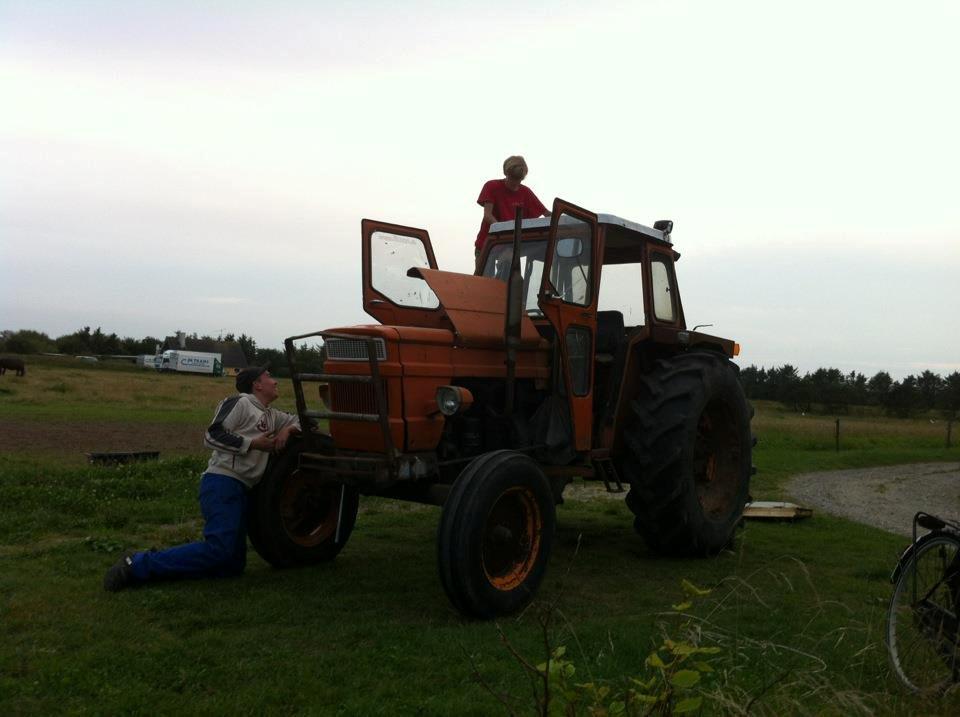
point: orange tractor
(565, 355)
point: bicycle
(923, 632)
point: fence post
(838, 435)
(949, 428)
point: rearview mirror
(569, 248)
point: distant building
(230, 351)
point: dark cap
(247, 377)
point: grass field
(797, 609)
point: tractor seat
(610, 334)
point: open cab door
(390, 294)
(568, 299)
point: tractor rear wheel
(294, 519)
(687, 454)
(496, 534)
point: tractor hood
(475, 307)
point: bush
(26, 341)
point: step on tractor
(565, 355)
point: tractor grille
(353, 349)
(353, 398)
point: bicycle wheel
(922, 638)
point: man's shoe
(120, 574)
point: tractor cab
(606, 286)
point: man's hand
(488, 217)
(281, 440)
(263, 442)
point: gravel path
(884, 497)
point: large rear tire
(687, 454)
(496, 534)
(295, 519)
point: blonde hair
(514, 160)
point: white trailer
(147, 360)
(191, 362)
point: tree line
(832, 391)
(82, 342)
(85, 342)
(309, 357)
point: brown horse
(14, 364)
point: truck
(148, 360)
(487, 394)
(190, 362)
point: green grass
(797, 609)
(60, 391)
(789, 444)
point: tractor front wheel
(296, 519)
(496, 534)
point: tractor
(487, 394)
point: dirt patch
(591, 490)
(71, 440)
(886, 497)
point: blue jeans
(223, 550)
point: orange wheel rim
(716, 460)
(711, 472)
(309, 510)
(511, 538)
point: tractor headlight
(453, 399)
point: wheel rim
(922, 624)
(309, 509)
(511, 538)
(716, 460)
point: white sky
(205, 166)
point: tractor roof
(622, 227)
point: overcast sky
(205, 166)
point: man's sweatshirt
(238, 420)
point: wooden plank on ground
(775, 510)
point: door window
(663, 304)
(572, 257)
(391, 257)
(578, 359)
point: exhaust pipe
(511, 329)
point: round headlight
(448, 400)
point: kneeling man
(243, 433)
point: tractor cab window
(391, 257)
(621, 289)
(531, 268)
(570, 272)
(664, 307)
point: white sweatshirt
(237, 421)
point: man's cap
(513, 161)
(247, 377)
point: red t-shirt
(505, 202)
